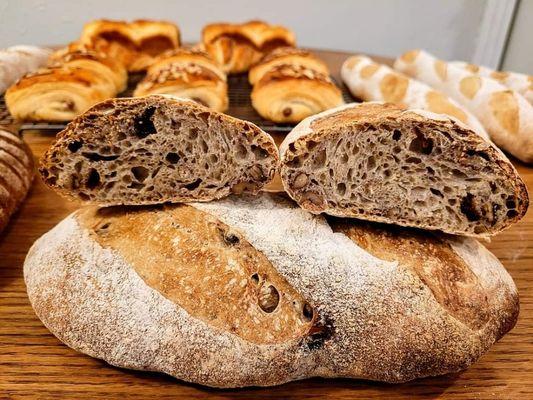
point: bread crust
(359, 118)
(236, 47)
(16, 174)
(92, 299)
(189, 74)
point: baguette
(257, 292)
(505, 114)
(370, 81)
(520, 83)
(408, 167)
(156, 149)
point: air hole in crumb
(193, 185)
(75, 145)
(172, 158)
(396, 135)
(259, 152)
(421, 144)
(140, 173)
(307, 312)
(371, 162)
(93, 180)
(268, 298)
(436, 192)
(468, 208)
(512, 213)
(255, 278)
(341, 189)
(143, 125)
(510, 202)
(193, 133)
(481, 154)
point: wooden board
(34, 364)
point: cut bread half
(158, 149)
(382, 163)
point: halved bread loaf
(157, 149)
(256, 291)
(413, 168)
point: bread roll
(142, 40)
(188, 74)
(257, 292)
(157, 149)
(16, 61)
(16, 174)
(520, 83)
(71, 84)
(370, 81)
(505, 114)
(286, 55)
(236, 47)
(289, 93)
(408, 167)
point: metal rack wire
(240, 106)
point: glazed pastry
(236, 47)
(16, 61)
(505, 114)
(189, 74)
(286, 55)
(69, 86)
(370, 81)
(140, 40)
(289, 93)
(520, 83)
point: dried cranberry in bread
(258, 292)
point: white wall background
(449, 28)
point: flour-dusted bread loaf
(69, 85)
(286, 55)
(382, 163)
(157, 149)
(189, 74)
(139, 41)
(16, 173)
(236, 47)
(371, 81)
(505, 114)
(521, 83)
(16, 61)
(255, 291)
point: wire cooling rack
(240, 106)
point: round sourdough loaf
(256, 291)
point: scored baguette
(506, 115)
(415, 168)
(371, 81)
(255, 291)
(157, 149)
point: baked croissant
(292, 91)
(69, 86)
(138, 42)
(286, 55)
(236, 47)
(189, 74)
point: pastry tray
(240, 106)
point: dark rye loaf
(256, 291)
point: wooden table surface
(34, 364)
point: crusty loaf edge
(95, 303)
(304, 130)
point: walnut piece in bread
(157, 149)
(255, 291)
(408, 167)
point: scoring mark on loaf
(433, 261)
(208, 269)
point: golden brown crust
(140, 40)
(187, 74)
(236, 47)
(216, 266)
